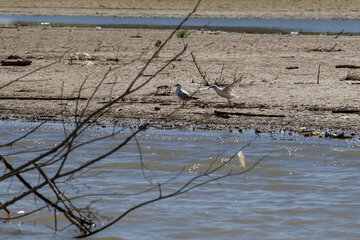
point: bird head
(177, 85)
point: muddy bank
(280, 76)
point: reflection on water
(306, 188)
(225, 24)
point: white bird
(183, 95)
(226, 92)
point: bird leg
(229, 103)
(183, 104)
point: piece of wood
(291, 68)
(318, 75)
(347, 66)
(15, 62)
(44, 98)
(346, 111)
(221, 113)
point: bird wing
(184, 95)
(235, 84)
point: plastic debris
(241, 158)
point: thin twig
(68, 213)
(337, 35)
(24, 136)
(198, 68)
(34, 190)
(184, 189)
(43, 98)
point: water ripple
(303, 186)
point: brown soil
(269, 87)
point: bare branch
(201, 73)
(42, 197)
(24, 136)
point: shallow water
(225, 24)
(305, 188)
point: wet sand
(280, 75)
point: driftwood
(318, 75)
(346, 111)
(15, 62)
(291, 68)
(226, 114)
(44, 98)
(136, 36)
(347, 66)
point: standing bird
(226, 92)
(183, 95)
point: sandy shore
(179, 8)
(269, 86)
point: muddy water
(305, 188)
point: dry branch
(220, 81)
(337, 35)
(347, 66)
(75, 220)
(357, 111)
(58, 156)
(22, 137)
(318, 74)
(292, 67)
(204, 178)
(206, 82)
(13, 62)
(44, 98)
(223, 114)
